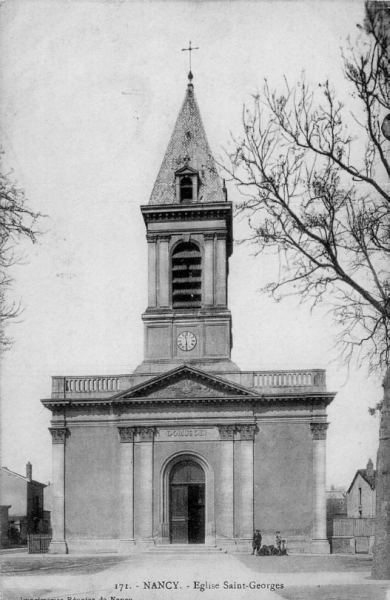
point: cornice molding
(178, 212)
(53, 404)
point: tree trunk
(381, 562)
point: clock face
(186, 341)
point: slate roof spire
(188, 147)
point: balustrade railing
(92, 385)
(286, 378)
(72, 386)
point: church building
(188, 449)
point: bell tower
(189, 234)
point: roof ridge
(371, 480)
(14, 473)
(22, 476)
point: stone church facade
(188, 449)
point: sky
(90, 94)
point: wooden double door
(187, 504)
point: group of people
(258, 549)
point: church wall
(91, 485)
(168, 414)
(283, 479)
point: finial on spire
(189, 50)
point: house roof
(188, 147)
(13, 473)
(370, 479)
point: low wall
(352, 536)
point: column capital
(164, 238)
(226, 432)
(247, 431)
(208, 236)
(318, 430)
(221, 235)
(59, 434)
(151, 237)
(145, 433)
(126, 434)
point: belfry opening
(186, 276)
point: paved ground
(189, 576)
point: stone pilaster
(319, 542)
(163, 271)
(58, 543)
(143, 485)
(225, 487)
(126, 488)
(152, 270)
(208, 270)
(220, 270)
(243, 482)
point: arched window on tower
(186, 189)
(186, 276)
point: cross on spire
(189, 50)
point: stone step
(183, 549)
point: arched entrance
(187, 503)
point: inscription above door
(182, 434)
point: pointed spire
(188, 147)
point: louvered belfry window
(186, 276)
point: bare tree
(314, 182)
(17, 221)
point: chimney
(224, 189)
(29, 471)
(370, 468)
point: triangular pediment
(186, 171)
(186, 382)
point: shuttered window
(186, 276)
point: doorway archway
(187, 503)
